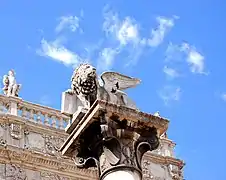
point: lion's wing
(110, 80)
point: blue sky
(175, 47)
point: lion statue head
(84, 82)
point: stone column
(114, 140)
(123, 147)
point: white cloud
(170, 72)
(186, 53)
(128, 32)
(71, 22)
(170, 93)
(124, 34)
(127, 36)
(106, 59)
(158, 34)
(194, 58)
(173, 53)
(58, 52)
(223, 96)
(124, 31)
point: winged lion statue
(86, 85)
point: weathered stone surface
(15, 172)
(53, 144)
(52, 176)
(165, 148)
(33, 175)
(69, 103)
(35, 141)
(2, 171)
(77, 116)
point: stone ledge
(138, 118)
(163, 159)
(39, 162)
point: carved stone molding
(52, 176)
(53, 144)
(31, 159)
(161, 171)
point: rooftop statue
(85, 84)
(11, 88)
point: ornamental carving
(53, 144)
(15, 131)
(109, 142)
(147, 175)
(175, 172)
(15, 172)
(52, 176)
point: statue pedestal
(114, 139)
(70, 103)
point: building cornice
(38, 161)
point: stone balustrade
(33, 112)
(166, 147)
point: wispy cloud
(223, 96)
(126, 36)
(177, 57)
(125, 31)
(58, 52)
(188, 54)
(158, 34)
(194, 58)
(71, 22)
(170, 72)
(169, 94)
(122, 37)
(106, 59)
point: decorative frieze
(53, 144)
(40, 161)
(52, 176)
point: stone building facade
(31, 136)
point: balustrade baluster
(39, 117)
(31, 114)
(46, 120)
(61, 123)
(24, 112)
(54, 121)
